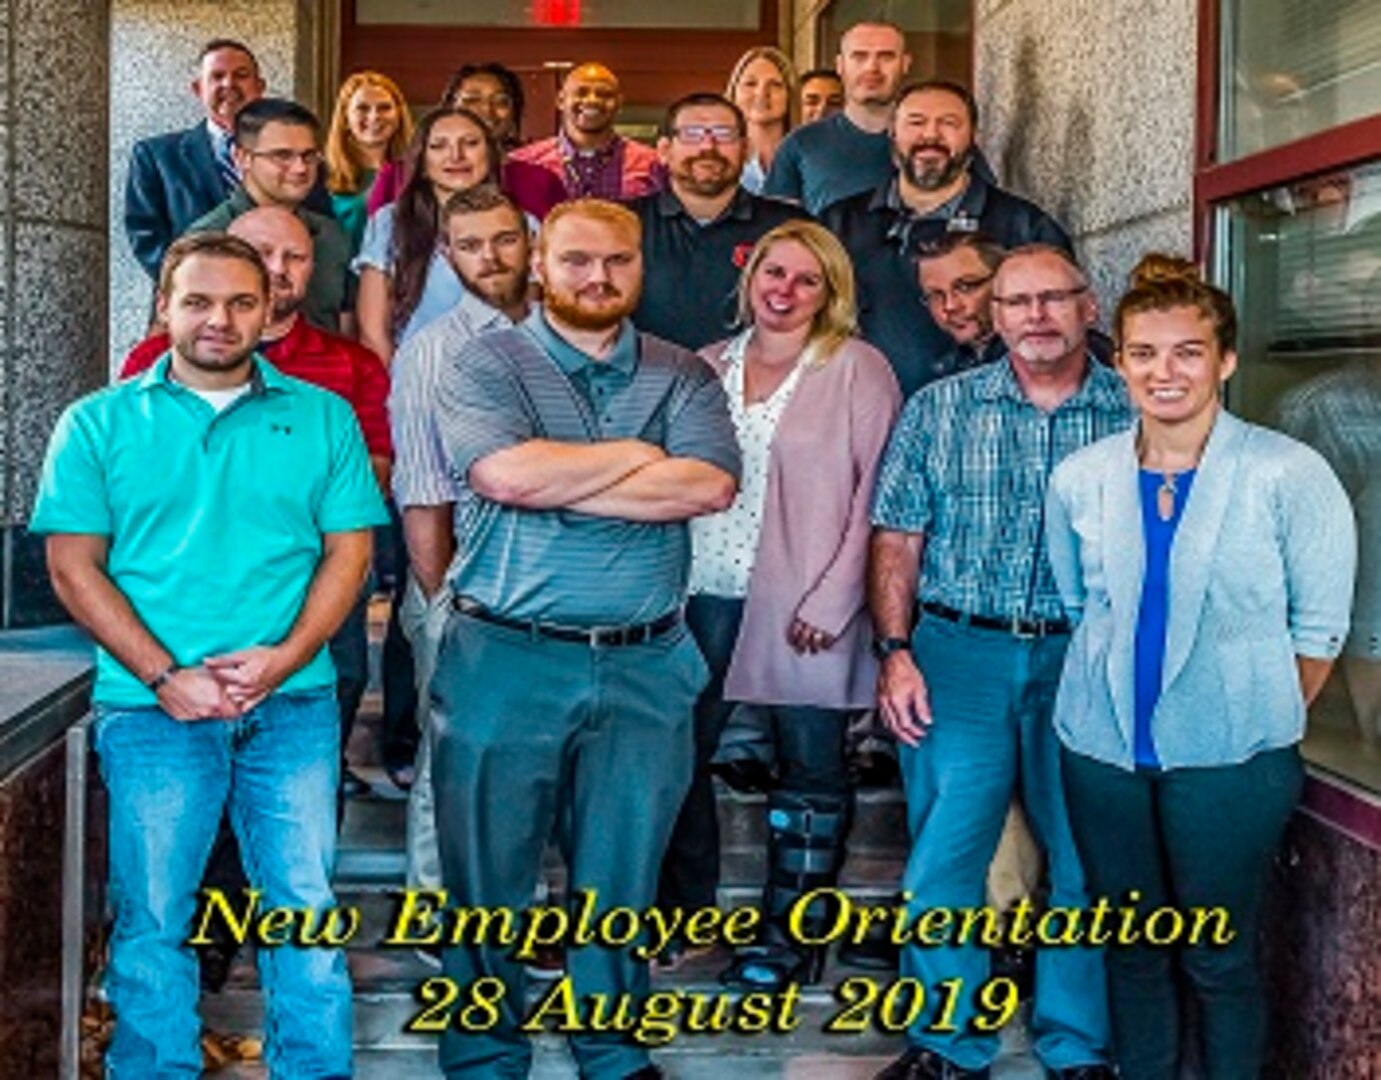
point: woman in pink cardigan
(777, 581)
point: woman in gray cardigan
(777, 580)
(1210, 563)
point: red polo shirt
(326, 360)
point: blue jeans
(276, 770)
(991, 695)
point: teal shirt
(215, 520)
(352, 210)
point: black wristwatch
(156, 683)
(883, 647)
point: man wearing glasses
(968, 691)
(697, 233)
(935, 191)
(278, 160)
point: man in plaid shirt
(959, 514)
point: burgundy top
(621, 170)
(533, 188)
(305, 352)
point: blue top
(215, 520)
(1153, 614)
(441, 291)
(831, 159)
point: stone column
(1088, 107)
(54, 77)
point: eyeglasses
(719, 134)
(1046, 298)
(964, 287)
(284, 158)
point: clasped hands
(223, 687)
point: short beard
(566, 307)
(935, 179)
(283, 310)
(510, 297)
(229, 363)
(707, 188)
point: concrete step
(371, 847)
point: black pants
(1185, 838)
(810, 757)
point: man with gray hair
(968, 691)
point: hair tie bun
(1158, 268)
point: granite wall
(53, 247)
(1088, 107)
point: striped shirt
(967, 466)
(506, 388)
(420, 474)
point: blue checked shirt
(967, 466)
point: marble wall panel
(1323, 965)
(154, 44)
(1088, 107)
(59, 330)
(59, 110)
(31, 822)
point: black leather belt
(1022, 628)
(594, 636)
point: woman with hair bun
(1210, 565)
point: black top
(691, 271)
(883, 237)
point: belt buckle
(1027, 629)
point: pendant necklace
(1165, 496)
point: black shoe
(1018, 964)
(1084, 1072)
(215, 962)
(876, 952)
(745, 774)
(919, 1064)
(772, 968)
(352, 786)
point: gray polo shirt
(514, 385)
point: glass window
(582, 14)
(1303, 263)
(1292, 68)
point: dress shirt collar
(1101, 389)
(739, 208)
(264, 377)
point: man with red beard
(935, 191)
(698, 231)
(566, 677)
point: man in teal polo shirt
(208, 522)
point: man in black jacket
(934, 192)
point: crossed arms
(622, 478)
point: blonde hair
(834, 323)
(344, 169)
(601, 210)
(781, 62)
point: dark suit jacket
(173, 181)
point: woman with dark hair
(405, 280)
(1210, 564)
(369, 128)
(494, 94)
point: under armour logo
(282, 429)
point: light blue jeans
(991, 696)
(276, 768)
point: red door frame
(1327, 151)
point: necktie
(225, 164)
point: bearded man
(697, 233)
(935, 191)
(565, 679)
